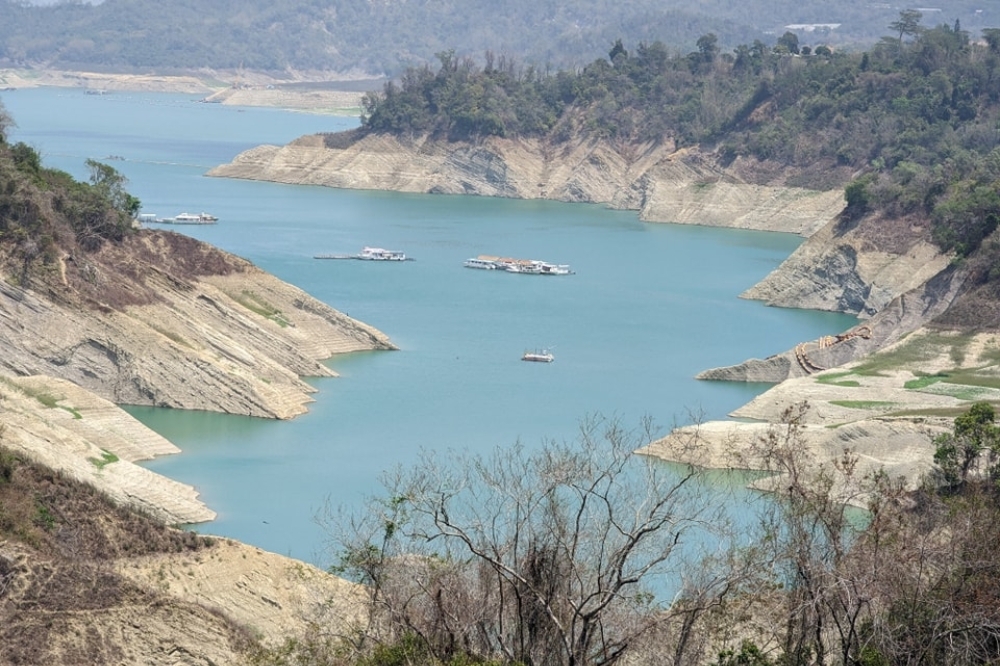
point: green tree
(907, 24)
(788, 42)
(748, 655)
(111, 184)
(618, 50)
(972, 447)
(6, 123)
(708, 47)
(992, 38)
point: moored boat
(522, 266)
(190, 218)
(380, 254)
(481, 263)
(554, 269)
(543, 356)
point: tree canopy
(42, 209)
(912, 126)
(385, 37)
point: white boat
(481, 263)
(381, 254)
(523, 266)
(192, 218)
(544, 356)
(554, 269)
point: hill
(904, 134)
(84, 580)
(147, 317)
(886, 160)
(89, 571)
(382, 38)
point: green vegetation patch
(106, 459)
(916, 351)
(924, 381)
(835, 379)
(946, 412)
(991, 354)
(971, 378)
(50, 401)
(255, 303)
(44, 518)
(963, 391)
(47, 399)
(964, 384)
(863, 404)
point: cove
(649, 306)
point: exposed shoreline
(686, 192)
(886, 399)
(231, 88)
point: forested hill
(913, 124)
(384, 37)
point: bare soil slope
(85, 581)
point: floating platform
(369, 254)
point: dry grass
(58, 539)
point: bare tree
(823, 538)
(560, 555)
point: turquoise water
(648, 308)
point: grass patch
(862, 404)
(966, 378)
(44, 518)
(915, 351)
(255, 303)
(50, 402)
(963, 391)
(960, 384)
(925, 381)
(947, 412)
(991, 354)
(835, 379)
(106, 459)
(47, 399)
(72, 410)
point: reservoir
(649, 306)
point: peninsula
(905, 248)
(95, 312)
(114, 316)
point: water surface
(650, 305)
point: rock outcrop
(159, 319)
(231, 339)
(864, 267)
(70, 430)
(901, 448)
(661, 183)
(885, 271)
(896, 282)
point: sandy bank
(886, 408)
(313, 95)
(73, 431)
(275, 596)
